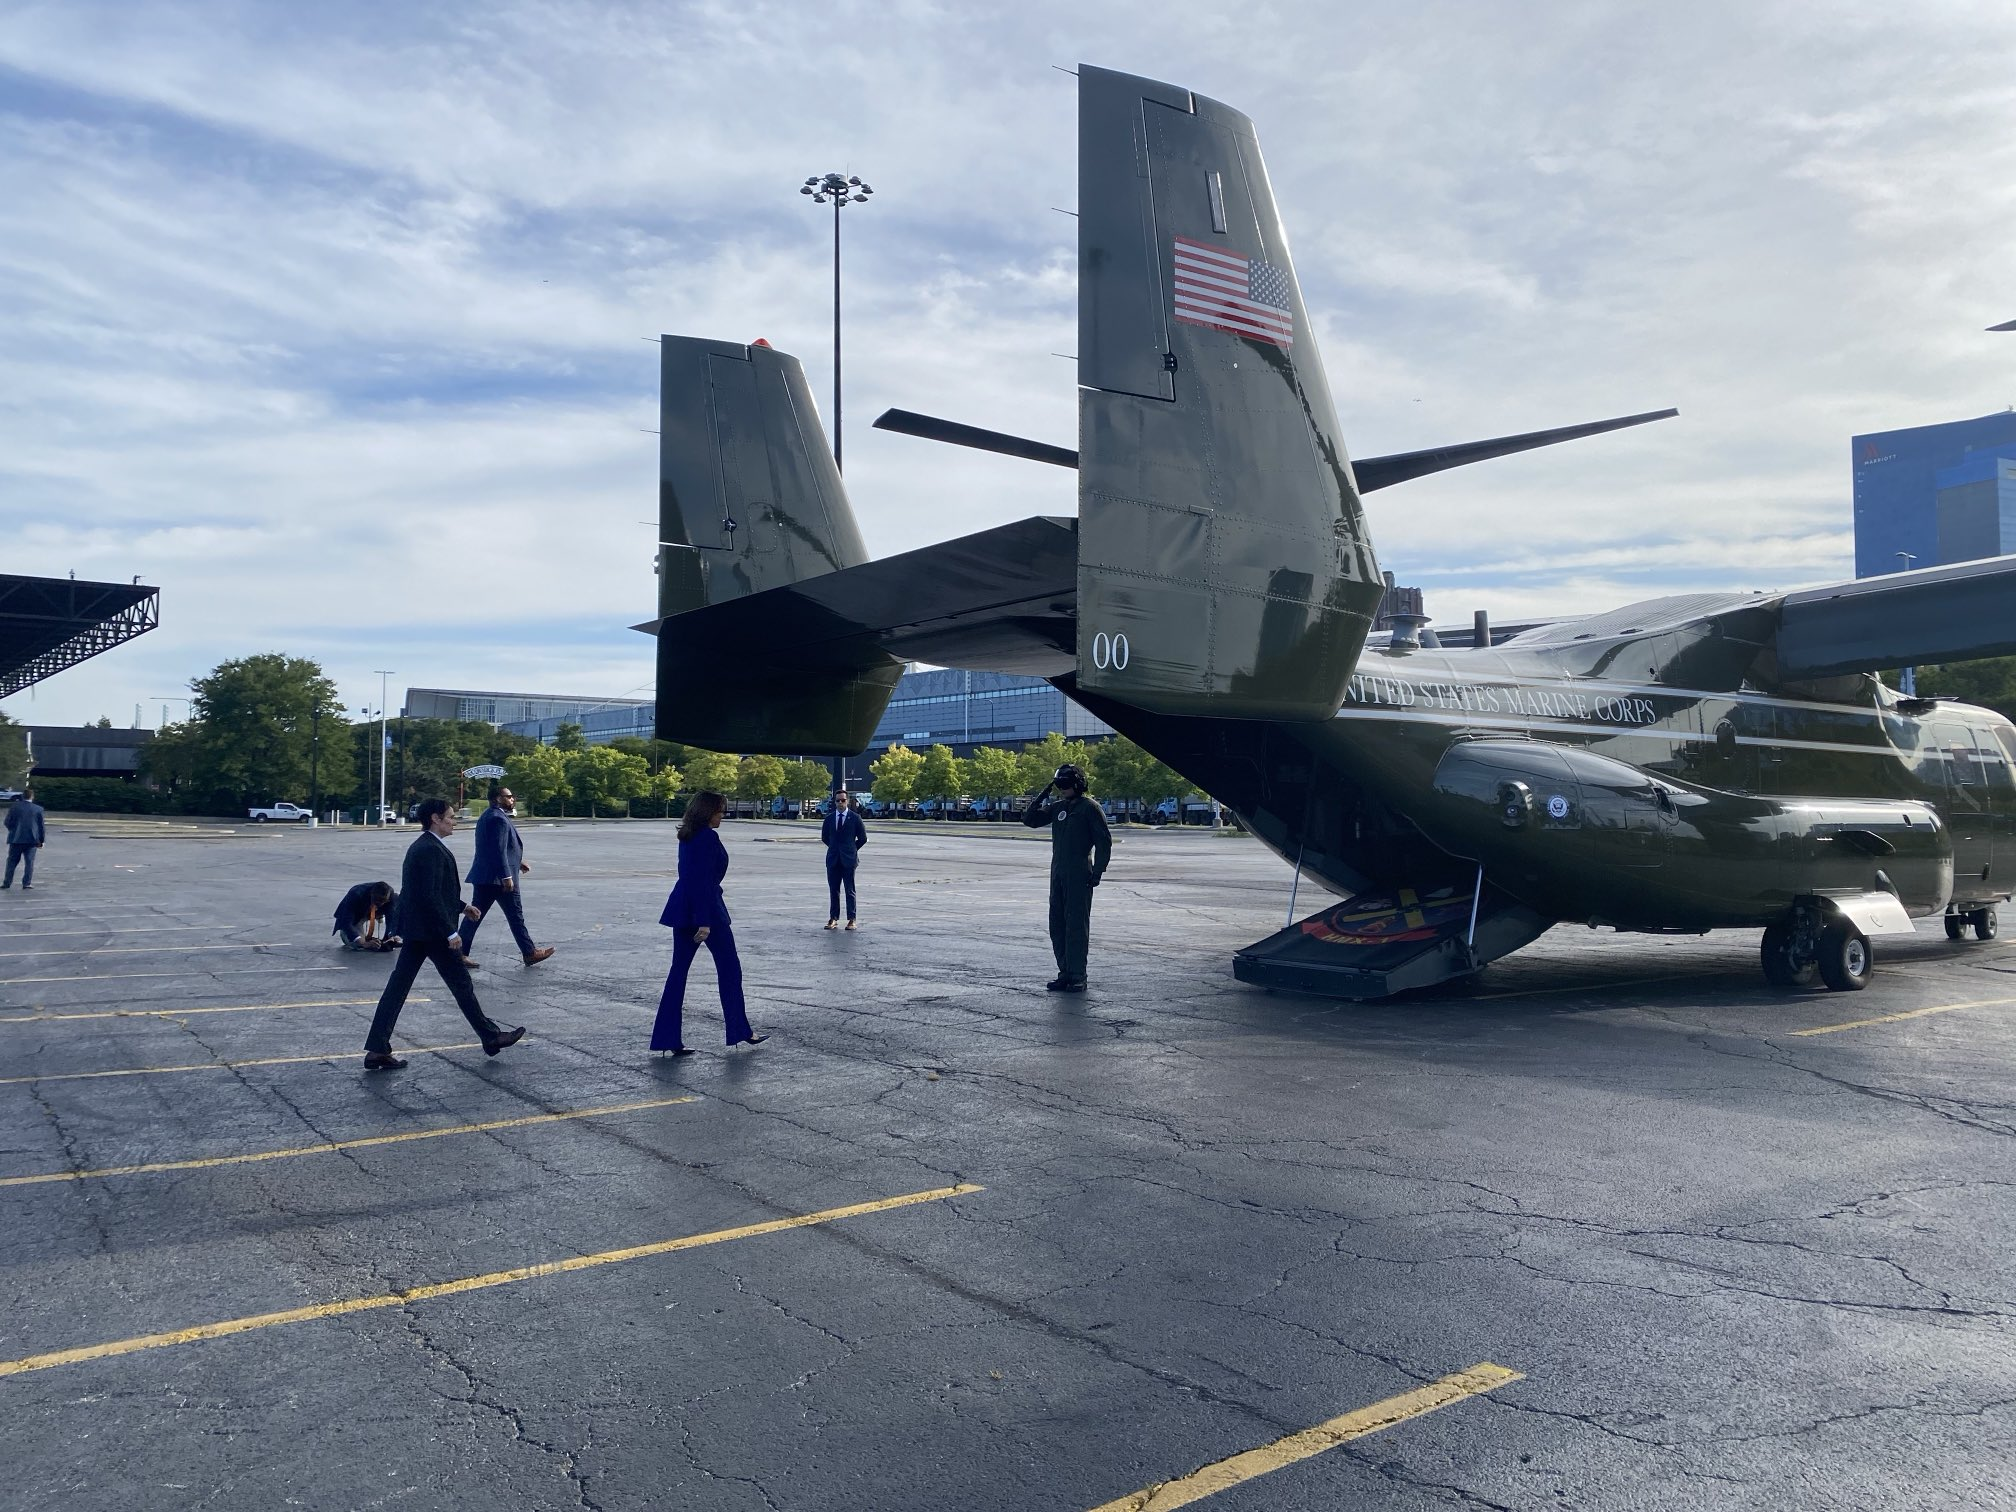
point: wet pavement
(950, 1241)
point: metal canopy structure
(49, 624)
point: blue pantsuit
(696, 903)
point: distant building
(84, 750)
(511, 708)
(1941, 493)
(940, 707)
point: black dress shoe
(1056, 984)
(379, 1060)
(754, 1039)
(1061, 985)
(504, 1041)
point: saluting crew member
(1080, 847)
(843, 834)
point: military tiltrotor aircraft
(1710, 761)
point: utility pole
(383, 741)
(842, 190)
(315, 761)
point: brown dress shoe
(377, 1060)
(534, 957)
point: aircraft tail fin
(749, 500)
(1224, 564)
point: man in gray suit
(24, 838)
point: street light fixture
(840, 190)
(384, 741)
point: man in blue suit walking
(24, 838)
(844, 835)
(500, 861)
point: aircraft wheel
(1846, 959)
(1956, 926)
(1782, 968)
(1983, 920)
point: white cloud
(293, 294)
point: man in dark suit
(24, 838)
(430, 903)
(500, 859)
(844, 834)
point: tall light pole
(383, 741)
(842, 190)
(1907, 679)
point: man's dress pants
(447, 959)
(507, 898)
(839, 873)
(18, 853)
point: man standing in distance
(430, 901)
(843, 834)
(500, 859)
(24, 837)
(1080, 847)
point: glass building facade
(1935, 494)
(938, 707)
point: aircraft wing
(1000, 600)
(1901, 619)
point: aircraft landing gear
(1805, 945)
(1846, 960)
(1789, 961)
(1982, 920)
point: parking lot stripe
(174, 1013)
(149, 949)
(276, 1060)
(51, 934)
(1240, 1468)
(135, 976)
(333, 1146)
(1894, 1018)
(473, 1283)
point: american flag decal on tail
(1221, 289)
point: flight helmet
(1070, 775)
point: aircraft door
(1998, 793)
(1967, 810)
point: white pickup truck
(279, 813)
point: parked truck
(279, 813)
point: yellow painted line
(148, 949)
(176, 1013)
(1896, 1018)
(340, 1144)
(1240, 1468)
(470, 1283)
(277, 1060)
(135, 976)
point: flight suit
(1080, 847)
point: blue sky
(327, 319)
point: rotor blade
(2007, 325)
(930, 428)
(1384, 472)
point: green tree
(992, 772)
(942, 776)
(429, 756)
(1990, 682)
(255, 715)
(13, 753)
(666, 784)
(603, 777)
(169, 759)
(538, 776)
(761, 778)
(892, 776)
(1121, 769)
(568, 737)
(805, 781)
(712, 772)
(104, 722)
(1041, 760)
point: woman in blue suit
(697, 911)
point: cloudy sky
(331, 320)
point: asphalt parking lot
(1617, 1227)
